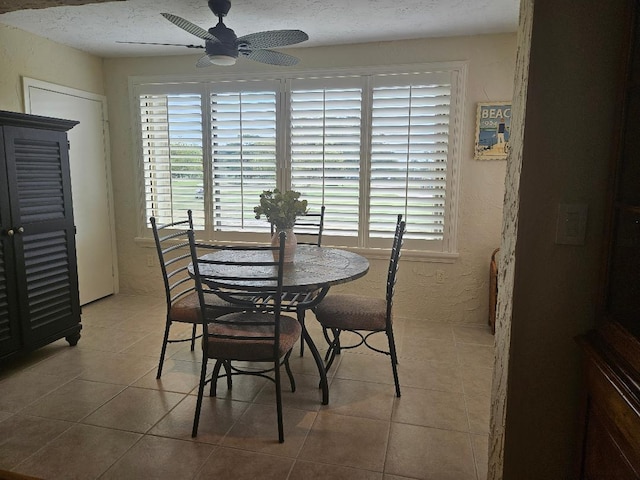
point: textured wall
(26, 55)
(507, 248)
(571, 92)
(464, 295)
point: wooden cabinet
(39, 300)
(610, 446)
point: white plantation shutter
(171, 130)
(325, 149)
(243, 152)
(409, 155)
(368, 145)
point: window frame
(445, 252)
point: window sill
(370, 253)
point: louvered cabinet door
(10, 336)
(44, 243)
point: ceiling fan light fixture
(223, 60)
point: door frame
(27, 83)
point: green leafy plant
(281, 208)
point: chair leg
(163, 352)
(203, 375)
(394, 359)
(279, 400)
(292, 380)
(301, 320)
(214, 377)
(193, 336)
(334, 348)
(227, 368)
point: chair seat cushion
(251, 350)
(187, 307)
(352, 312)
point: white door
(90, 181)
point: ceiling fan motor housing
(227, 45)
(220, 8)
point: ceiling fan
(223, 47)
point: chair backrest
(308, 228)
(172, 245)
(247, 276)
(394, 263)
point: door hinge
(68, 145)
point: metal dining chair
(308, 228)
(362, 315)
(257, 331)
(172, 245)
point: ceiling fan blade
(192, 28)
(164, 44)
(271, 57)
(203, 61)
(272, 38)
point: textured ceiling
(13, 5)
(97, 27)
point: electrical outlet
(151, 261)
(439, 276)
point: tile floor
(97, 411)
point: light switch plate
(571, 225)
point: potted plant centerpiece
(281, 210)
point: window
(368, 146)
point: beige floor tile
(135, 409)
(184, 354)
(108, 339)
(476, 379)
(123, 304)
(306, 364)
(348, 441)
(365, 368)
(181, 377)
(428, 330)
(475, 355)
(74, 400)
(480, 445)
(360, 399)
(242, 465)
(257, 430)
(479, 335)
(319, 471)
(70, 363)
(429, 453)
(245, 388)
(82, 452)
(431, 408)
(123, 369)
(479, 411)
(22, 436)
(431, 375)
(151, 345)
(23, 388)
(160, 459)
(306, 397)
(217, 416)
(11, 366)
(107, 383)
(153, 320)
(428, 349)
